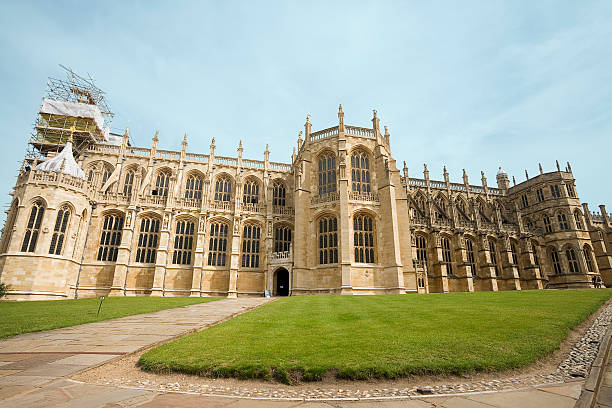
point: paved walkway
(34, 368)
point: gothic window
(110, 239)
(9, 225)
(588, 258)
(363, 234)
(328, 240)
(528, 223)
(493, 252)
(128, 183)
(536, 260)
(563, 224)
(360, 172)
(90, 175)
(514, 254)
(540, 194)
(106, 173)
(223, 189)
(461, 206)
(554, 256)
(578, 219)
(524, 200)
(421, 282)
(147, 240)
(570, 190)
(193, 187)
(572, 261)
(547, 224)
(250, 192)
(183, 242)
(554, 191)
(59, 231)
(441, 202)
(421, 250)
(471, 259)
(282, 239)
(161, 184)
(278, 194)
(446, 255)
(33, 227)
(327, 174)
(217, 244)
(251, 235)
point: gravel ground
(576, 356)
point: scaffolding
(76, 106)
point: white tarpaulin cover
(79, 110)
(63, 163)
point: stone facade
(341, 219)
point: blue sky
(462, 84)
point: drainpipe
(76, 286)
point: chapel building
(92, 215)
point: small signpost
(100, 307)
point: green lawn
(361, 337)
(30, 316)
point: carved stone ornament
(166, 221)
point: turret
(503, 182)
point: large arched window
(534, 246)
(327, 173)
(251, 235)
(363, 238)
(563, 224)
(33, 227)
(148, 239)
(250, 192)
(441, 204)
(223, 189)
(447, 258)
(360, 172)
(59, 230)
(217, 244)
(471, 258)
(554, 256)
(282, 239)
(110, 239)
(106, 173)
(128, 183)
(421, 249)
(572, 260)
(9, 225)
(578, 219)
(161, 184)
(588, 258)
(547, 224)
(183, 242)
(493, 252)
(278, 194)
(193, 187)
(328, 240)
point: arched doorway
(281, 282)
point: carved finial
(444, 170)
(386, 132)
(126, 134)
(340, 109)
(513, 181)
(212, 143)
(425, 167)
(185, 138)
(558, 168)
(526, 175)
(156, 137)
(300, 136)
(374, 110)
(308, 118)
(240, 145)
(540, 167)
(267, 148)
(569, 168)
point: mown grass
(363, 337)
(30, 316)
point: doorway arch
(281, 282)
